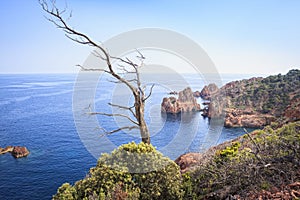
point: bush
(262, 160)
(133, 171)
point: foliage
(258, 161)
(133, 171)
(267, 95)
(228, 153)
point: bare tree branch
(127, 61)
(141, 55)
(80, 38)
(118, 129)
(150, 93)
(123, 68)
(114, 115)
(55, 16)
(256, 145)
(124, 107)
(93, 69)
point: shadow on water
(185, 117)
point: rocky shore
(255, 102)
(250, 103)
(16, 151)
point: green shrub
(133, 171)
(262, 160)
(228, 153)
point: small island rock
(17, 151)
(186, 102)
(208, 91)
(7, 149)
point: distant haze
(255, 37)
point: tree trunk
(139, 110)
(144, 132)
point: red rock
(292, 112)
(19, 152)
(186, 102)
(186, 161)
(208, 91)
(197, 94)
(7, 149)
(246, 118)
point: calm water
(37, 111)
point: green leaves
(132, 171)
(270, 160)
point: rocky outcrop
(255, 102)
(197, 94)
(187, 161)
(185, 102)
(290, 191)
(17, 151)
(246, 118)
(170, 105)
(208, 91)
(292, 112)
(7, 149)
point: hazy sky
(253, 36)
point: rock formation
(187, 161)
(17, 151)
(7, 149)
(255, 102)
(185, 102)
(292, 112)
(197, 94)
(208, 91)
(246, 118)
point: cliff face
(185, 102)
(257, 102)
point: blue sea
(49, 114)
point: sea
(53, 116)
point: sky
(240, 36)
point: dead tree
(56, 16)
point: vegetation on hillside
(266, 95)
(132, 171)
(265, 160)
(252, 166)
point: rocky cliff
(185, 102)
(256, 102)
